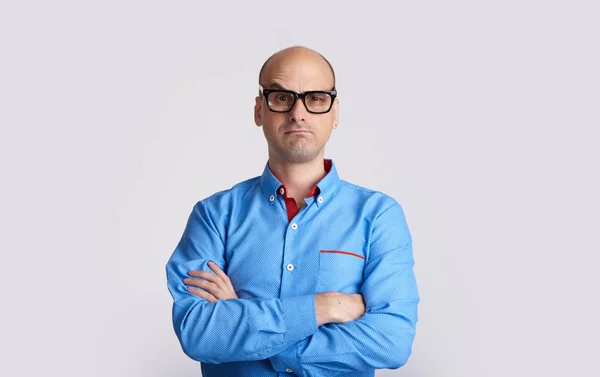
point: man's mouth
(296, 131)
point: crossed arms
(330, 307)
(312, 334)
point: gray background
(481, 118)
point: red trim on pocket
(342, 252)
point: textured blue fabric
(347, 239)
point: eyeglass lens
(315, 102)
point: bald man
(295, 271)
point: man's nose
(298, 112)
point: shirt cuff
(300, 317)
(285, 360)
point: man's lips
(296, 131)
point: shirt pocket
(340, 271)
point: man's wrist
(325, 308)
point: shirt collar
(327, 185)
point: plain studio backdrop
(481, 118)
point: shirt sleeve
(234, 329)
(383, 336)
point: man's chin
(299, 157)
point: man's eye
(315, 99)
(282, 98)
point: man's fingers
(206, 285)
(220, 285)
(208, 276)
(203, 274)
(213, 266)
(200, 293)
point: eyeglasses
(315, 101)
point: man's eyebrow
(274, 85)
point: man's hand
(215, 287)
(338, 307)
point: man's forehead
(298, 78)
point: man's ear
(257, 111)
(336, 111)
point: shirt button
(320, 199)
(288, 370)
(272, 198)
(294, 226)
(281, 191)
(290, 267)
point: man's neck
(298, 178)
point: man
(295, 271)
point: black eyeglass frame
(302, 96)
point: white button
(290, 267)
(294, 226)
(272, 198)
(288, 370)
(320, 199)
(281, 191)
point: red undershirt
(290, 203)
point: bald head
(294, 54)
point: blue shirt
(346, 239)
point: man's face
(296, 136)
